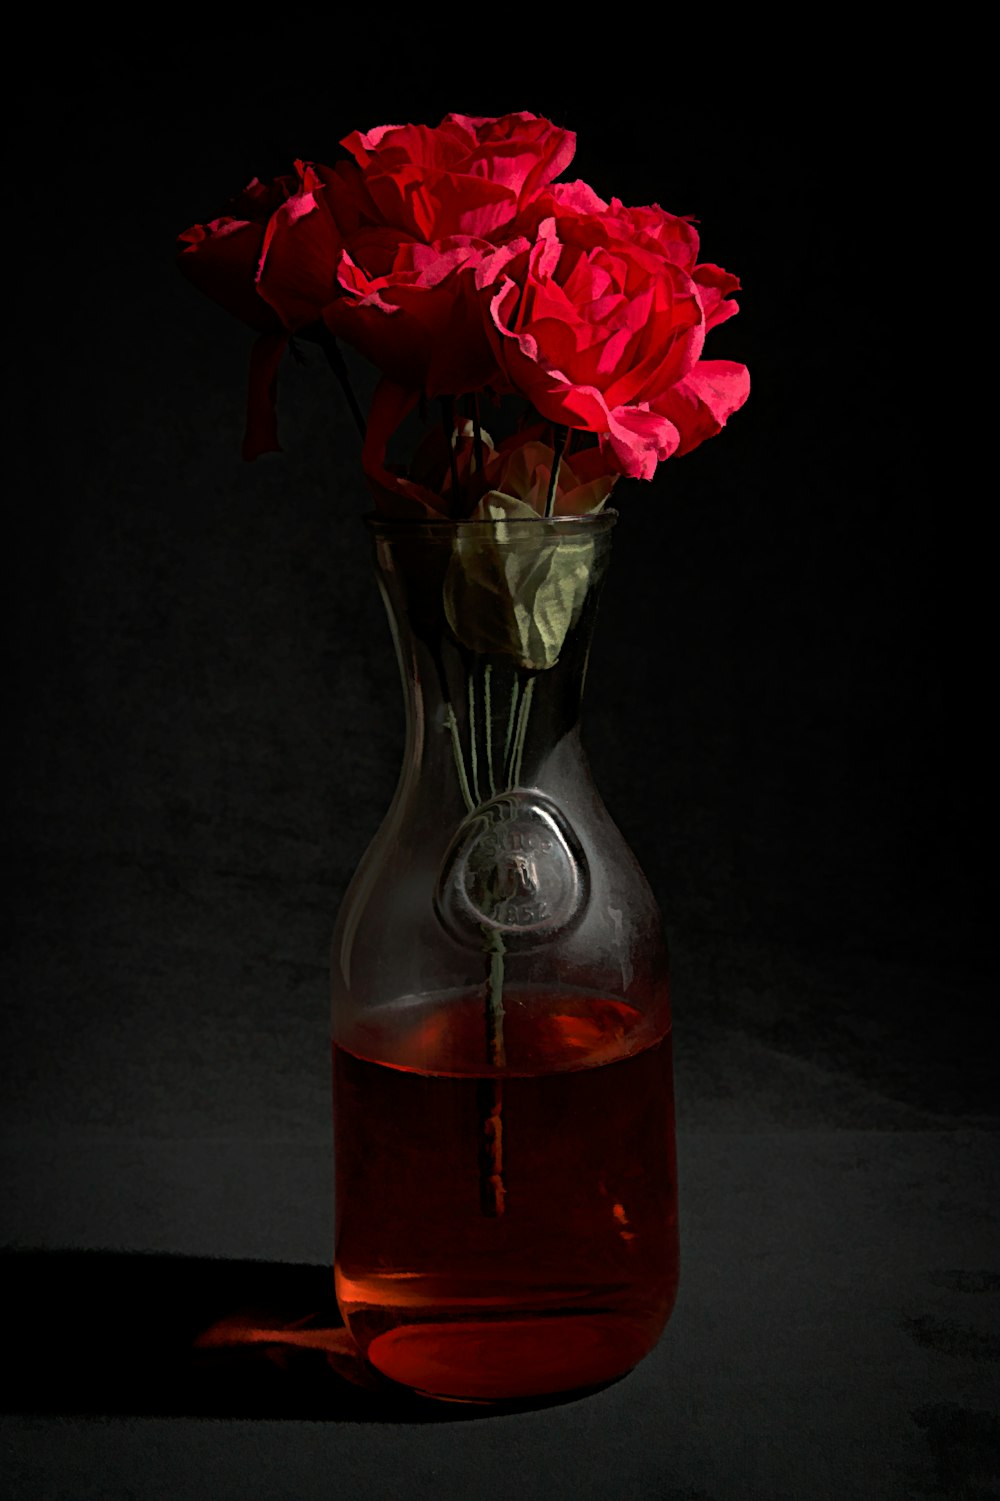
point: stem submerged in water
(492, 1188)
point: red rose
(297, 274)
(413, 310)
(588, 327)
(599, 318)
(467, 176)
(677, 241)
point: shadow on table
(102, 1333)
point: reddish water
(571, 1283)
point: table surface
(168, 1165)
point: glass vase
(505, 1181)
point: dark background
(784, 714)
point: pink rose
(602, 316)
(588, 326)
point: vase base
(488, 1361)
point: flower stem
(492, 1189)
(488, 715)
(338, 365)
(561, 438)
(477, 433)
(489, 1093)
(456, 745)
(473, 749)
(496, 1051)
(513, 772)
(515, 692)
(448, 424)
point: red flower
(599, 318)
(454, 261)
(466, 176)
(588, 327)
(413, 310)
(421, 203)
(677, 241)
(297, 274)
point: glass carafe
(506, 1222)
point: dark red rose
(272, 261)
(413, 310)
(297, 274)
(222, 256)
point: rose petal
(701, 403)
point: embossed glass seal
(514, 867)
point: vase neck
(492, 636)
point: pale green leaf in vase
(520, 592)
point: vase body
(505, 1184)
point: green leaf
(516, 592)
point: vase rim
(384, 526)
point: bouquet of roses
(452, 259)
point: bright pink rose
(599, 318)
(413, 310)
(466, 176)
(589, 326)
